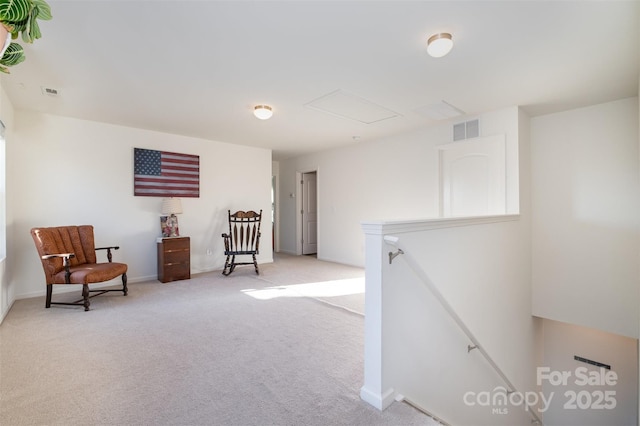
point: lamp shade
(171, 206)
(263, 112)
(439, 44)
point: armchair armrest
(65, 258)
(108, 249)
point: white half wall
(475, 271)
(64, 171)
(586, 226)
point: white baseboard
(379, 401)
(4, 314)
(293, 253)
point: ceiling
(197, 68)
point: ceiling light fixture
(263, 112)
(439, 44)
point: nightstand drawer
(174, 259)
(176, 256)
(177, 271)
(172, 244)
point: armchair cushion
(87, 274)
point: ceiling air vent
(467, 130)
(49, 91)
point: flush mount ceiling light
(439, 44)
(263, 112)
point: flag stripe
(142, 180)
(146, 185)
(166, 174)
(181, 170)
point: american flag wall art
(165, 174)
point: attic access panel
(352, 107)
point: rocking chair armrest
(227, 239)
(108, 249)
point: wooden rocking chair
(243, 239)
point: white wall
(572, 399)
(393, 178)
(64, 171)
(586, 226)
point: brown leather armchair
(68, 256)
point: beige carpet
(282, 348)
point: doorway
(309, 213)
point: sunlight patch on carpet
(320, 289)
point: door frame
(276, 212)
(299, 174)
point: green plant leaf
(44, 10)
(13, 55)
(31, 31)
(34, 31)
(12, 11)
(21, 16)
(16, 28)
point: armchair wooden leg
(85, 296)
(255, 264)
(49, 292)
(125, 290)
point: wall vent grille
(466, 130)
(592, 362)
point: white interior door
(473, 177)
(309, 213)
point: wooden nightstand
(174, 259)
